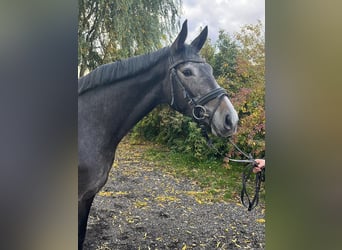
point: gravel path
(142, 207)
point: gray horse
(114, 97)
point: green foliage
(238, 63)
(114, 29)
(249, 99)
(171, 128)
(224, 62)
(208, 52)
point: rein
(259, 177)
(246, 200)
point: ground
(144, 207)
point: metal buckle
(199, 112)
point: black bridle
(197, 103)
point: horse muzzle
(225, 119)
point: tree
(225, 60)
(249, 98)
(208, 51)
(114, 29)
(251, 56)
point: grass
(220, 181)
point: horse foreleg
(83, 212)
(91, 178)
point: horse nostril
(228, 122)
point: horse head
(193, 88)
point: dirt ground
(143, 207)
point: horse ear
(180, 40)
(200, 40)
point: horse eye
(187, 72)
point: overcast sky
(228, 15)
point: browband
(185, 61)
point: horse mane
(119, 70)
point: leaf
(260, 220)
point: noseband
(199, 112)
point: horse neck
(128, 101)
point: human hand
(260, 164)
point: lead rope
(251, 163)
(259, 177)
